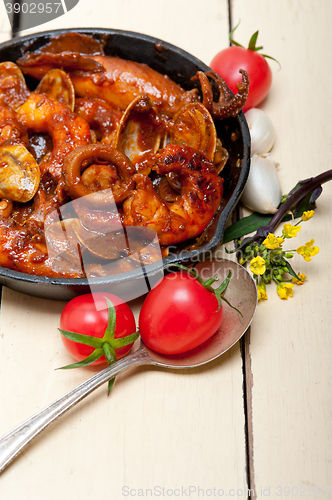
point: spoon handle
(13, 442)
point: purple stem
(308, 185)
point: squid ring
(78, 159)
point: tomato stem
(110, 329)
(104, 346)
(251, 45)
(218, 292)
(210, 281)
(109, 353)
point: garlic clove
(261, 130)
(262, 192)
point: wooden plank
(290, 343)
(5, 29)
(158, 429)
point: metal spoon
(241, 293)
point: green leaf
(222, 288)
(110, 329)
(121, 342)
(245, 226)
(291, 271)
(270, 57)
(210, 281)
(252, 42)
(231, 35)
(97, 353)
(307, 203)
(82, 339)
(221, 297)
(233, 42)
(110, 385)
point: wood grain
(158, 429)
(5, 29)
(290, 341)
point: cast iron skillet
(180, 66)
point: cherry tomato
(88, 315)
(227, 64)
(178, 314)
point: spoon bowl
(241, 293)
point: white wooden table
(255, 423)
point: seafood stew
(158, 175)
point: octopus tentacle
(190, 214)
(226, 106)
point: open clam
(221, 156)
(62, 243)
(140, 129)
(108, 245)
(57, 85)
(13, 88)
(193, 126)
(19, 173)
(139, 243)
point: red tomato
(178, 315)
(88, 315)
(227, 64)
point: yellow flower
(272, 242)
(261, 290)
(308, 250)
(307, 215)
(285, 290)
(301, 279)
(290, 231)
(257, 265)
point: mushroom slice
(140, 129)
(13, 89)
(6, 207)
(193, 126)
(19, 173)
(57, 85)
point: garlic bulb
(262, 192)
(261, 131)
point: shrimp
(68, 131)
(189, 215)
(10, 127)
(26, 252)
(101, 117)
